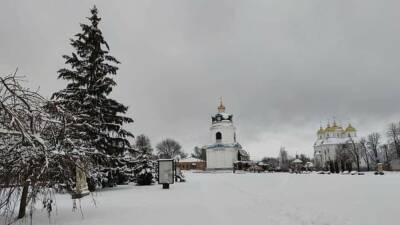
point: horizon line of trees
(363, 154)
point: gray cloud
(281, 66)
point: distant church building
(224, 149)
(329, 140)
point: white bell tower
(223, 150)
(222, 129)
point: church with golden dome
(328, 141)
(224, 149)
(336, 131)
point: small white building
(224, 149)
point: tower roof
(221, 107)
(337, 127)
(321, 130)
(350, 128)
(333, 128)
(329, 128)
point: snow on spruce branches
(89, 79)
(43, 142)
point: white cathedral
(224, 149)
(328, 141)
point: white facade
(328, 141)
(221, 158)
(227, 130)
(224, 149)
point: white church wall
(221, 158)
(227, 131)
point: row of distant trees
(144, 163)
(284, 160)
(166, 149)
(363, 153)
(373, 149)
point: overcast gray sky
(281, 66)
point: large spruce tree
(90, 82)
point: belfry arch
(218, 136)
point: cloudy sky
(281, 66)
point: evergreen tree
(144, 168)
(89, 79)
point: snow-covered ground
(229, 199)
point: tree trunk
(24, 200)
(367, 162)
(397, 147)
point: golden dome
(340, 129)
(350, 128)
(337, 127)
(329, 128)
(321, 130)
(334, 128)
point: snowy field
(229, 199)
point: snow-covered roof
(225, 115)
(191, 159)
(222, 117)
(221, 145)
(165, 159)
(243, 152)
(297, 161)
(309, 164)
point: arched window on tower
(218, 137)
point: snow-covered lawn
(229, 199)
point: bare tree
(373, 141)
(170, 148)
(343, 157)
(355, 152)
(384, 148)
(283, 159)
(304, 158)
(199, 153)
(271, 161)
(365, 152)
(393, 134)
(36, 146)
(143, 144)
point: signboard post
(166, 172)
(81, 186)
